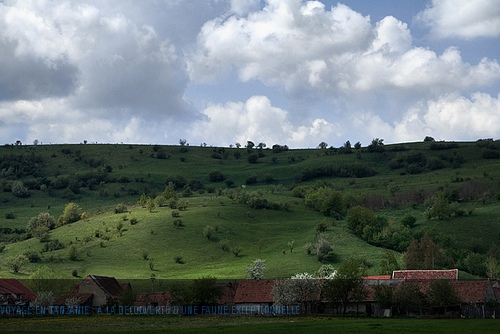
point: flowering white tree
(301, 289)
(256, 270)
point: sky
(220, 72)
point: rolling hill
(234, 205)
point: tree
(142, 200)
(346, 148)
(16, 263)
(332, 205)
(19, 190)
(41, 224)
(322, 247)
(358, 218)
(409, 221)
(45, 279)
(323, 145)
(72, 213)
(256, 270)
(73, 253)
(300, 288)
(442, 294)
(492, 268)
(208, 231)
(347, 285)
(377, 145)
(388, 263)
(384, 295)
(407, 298)
(216, 176)
(423, 254)
(44, 298)
(440, 208)
(150, 204)
(250, 145)
(206, 291)
(253, 158)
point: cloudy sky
(223, 71)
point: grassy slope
(261, 234)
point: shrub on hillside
(120, 208)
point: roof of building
(145, 299)
(471, 291)
(13, 286)
(254, 291)
(425, 274)
(109, 285)
(377, 278)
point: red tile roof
(471, 291)
(9, 286)
(254, 291)
(425, 274)
(145, 299)
(377, 278)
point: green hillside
(262, 203)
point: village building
(13, 292)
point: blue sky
(224, 71)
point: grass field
(104, 249)
(152, 324)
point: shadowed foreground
(152, 324)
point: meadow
(152, 324)
(140, 242)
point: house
(256, 294)
(104, 289)
(153, 299)
(13, 292)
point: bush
(487, 154)
(330, 257)
(178, 223)
(178, 259)
(253, 158)
(409, 221)
(224, 245)
(71, 214)
(16, 263)
(236, 251)
(120, 208)
(33, 257)
(208, 231)
(216, 176)
(251, 179)
(19, 190)
(73, 253)
(321, 227)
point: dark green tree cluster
(347, 285)
(201, 291)
(325, 200)
(350, 170)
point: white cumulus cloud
(465, 19)
(258, 120)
